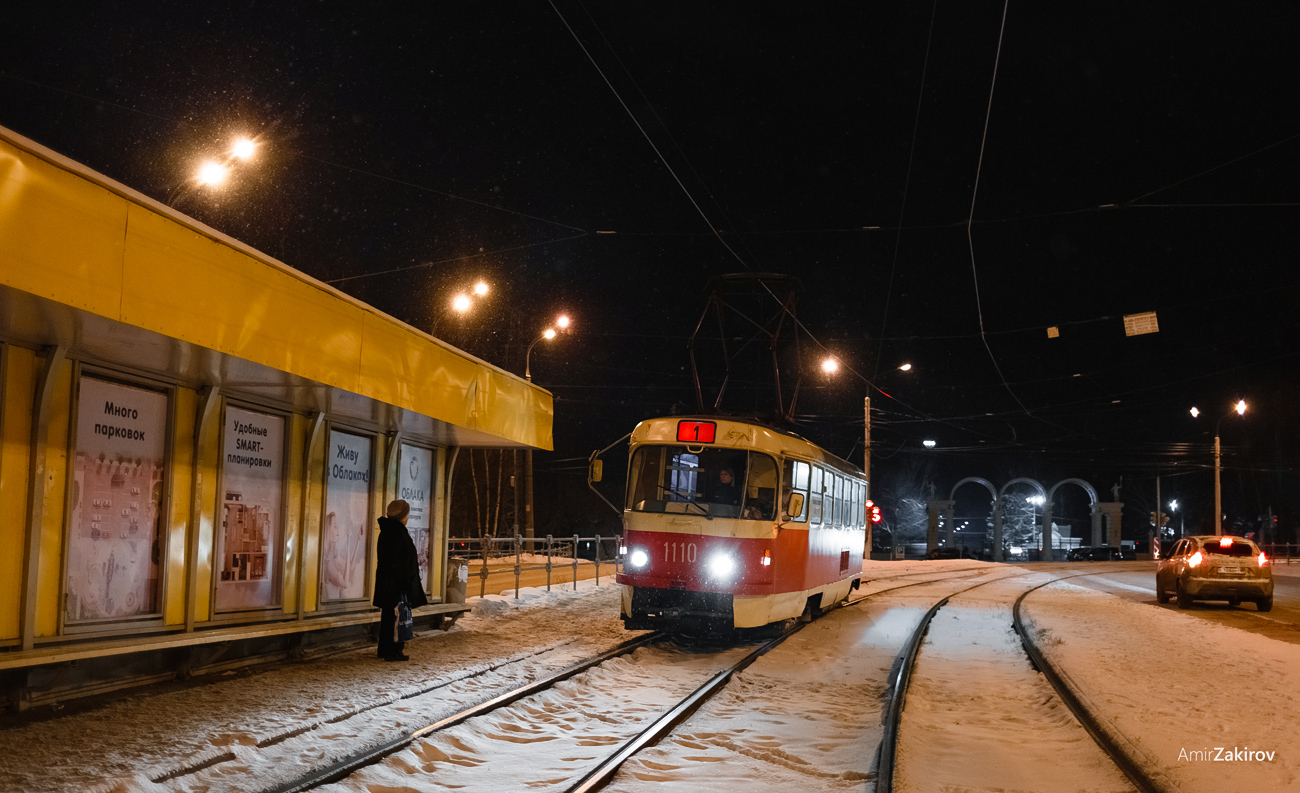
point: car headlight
(638, 558)
(721, 565)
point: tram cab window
(795, 481)
(815, 496)
(760, 488)
(721, 483)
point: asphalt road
(1136, 581)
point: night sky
(1137, 157)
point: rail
(571, 550)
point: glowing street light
(907, 367)
(212, 173)
(830, 366)
(928, 444)
(481, 288)
(1195, 412)
(1240, 410)
(244, 149)
(461, 303)
(563, 323)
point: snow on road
(979, 718)
(806, 716)
(1180, 689)
(549, 740)
(121, 744)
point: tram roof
(115, 276)
(768, 437)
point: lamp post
(1240, 410)
(561, 322)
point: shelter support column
(1097, 521)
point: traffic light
(874, 511)
(1159, 519)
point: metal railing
(572, 550)
(1286, 553)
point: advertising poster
(415, 487)
(117, 491)
(347, 516)
(248, 541)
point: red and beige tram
(731, 523)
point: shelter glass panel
(252, 523)
(415, 487)
(118, 480)
(347, 517)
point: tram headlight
(638, 558)
(721, 565)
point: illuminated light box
(696, 431)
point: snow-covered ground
(122, 744)
(804, 717)
(979, 718)
(1178, 687)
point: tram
(733, 523)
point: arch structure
(1105, 515)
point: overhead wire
(647, 137)
(907, 181)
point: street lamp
(1182, 519)
(1240, 410)
(563, 323)
(461, 303)
(830, 366)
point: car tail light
(1263, 560)
(767, 558)
(1226, 542)
(1195, 560)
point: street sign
(1138, 324)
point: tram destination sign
(696, 431)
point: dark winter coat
(398, 570)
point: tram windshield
(719, 483)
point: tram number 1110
(679, 552)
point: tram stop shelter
(197, 440)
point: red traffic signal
(874, 511)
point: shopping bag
(405, 622)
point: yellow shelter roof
(80, 241)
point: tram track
(1116, 748)
(604, 770)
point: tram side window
(815, 496)
(795, 481)
(861, 501)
